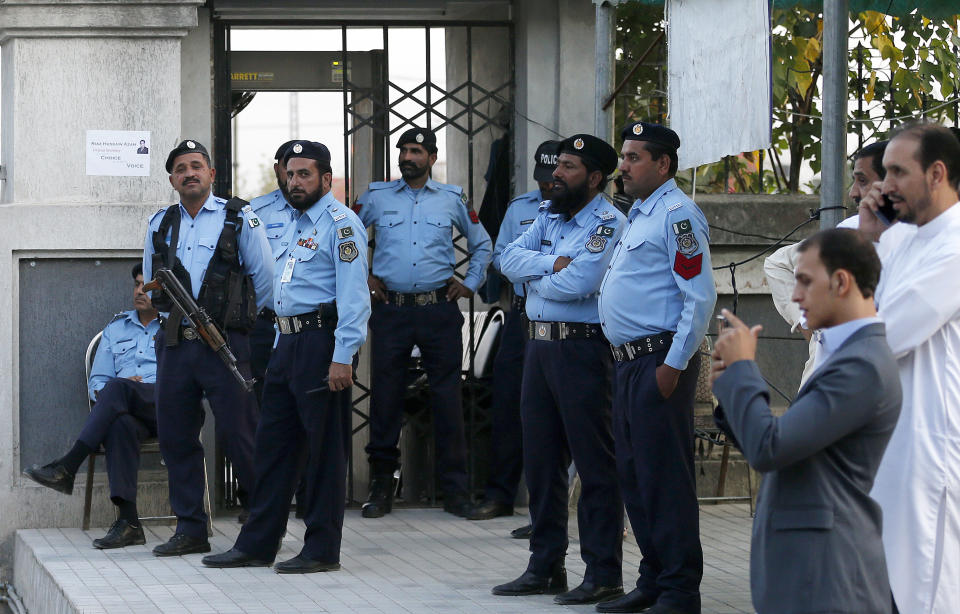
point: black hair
(847, 249)
(137, 269)
(875, 152)
(657, 150)
(594, 167)
(935, 143)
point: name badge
(288, 270)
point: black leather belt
(518, 303)
(558, 331)
(641, 347)
(401, 299)
(315, 320)
(267, 314)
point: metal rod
(834, 130)
(429, 83)
(346, 128)
(629, 75)
(604, 38)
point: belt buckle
(564, 330)
(189, 333)
(284, 325)
(631, 354)
(422, 299)
(617, 354)
(541, 331)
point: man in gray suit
(816, 537)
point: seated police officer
(123, 415)
(566, 391)
(322, 304)
(219, 252)
(415, 303)
(506, 445)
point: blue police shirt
(326, 260)
(198, 240)
(588, 237)
(521, 212)
(126, 349)
(414, 241)
(276, 214)
(660, 277)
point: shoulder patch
(253, 220)
(682, 227)
(675, 206)
(604, 231)
(348, 251)
(596, 243)
(343, 233)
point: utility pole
(605, 30)
(833, 139)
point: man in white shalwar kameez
(918, 483)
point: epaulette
(158, 214)
(117, 316)
(380, 185)
(222, 201)
(338, 212)
(605, 215)
(262, 201)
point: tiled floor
(410, 561)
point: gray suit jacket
(816, 537)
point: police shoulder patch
(687, 243)
(253, 220)
(348, 251)
(596, 243)
(682, 227)
(343, 233)
(604, 231)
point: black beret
(420, 136)
(592, 149)
(307, 149)
(186, 147)
(546, 160)
(282, 150)
(642, 131)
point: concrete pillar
(68, 68)
(555, 77)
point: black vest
(227, 293)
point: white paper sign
(118, 153)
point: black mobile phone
(886, 212)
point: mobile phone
(885, 212)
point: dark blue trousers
(261, 345)
(435, 329)
(299, 411)
(185, 375)
(506, 439)
(565, 408)
(655, 463)
(123, 416)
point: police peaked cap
(186, 147)
(546, 160)
(307, 149)
(283, 150)
(593, 150)
(419, 136)
(654, 133)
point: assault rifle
(199, 320)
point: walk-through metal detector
(370, 117)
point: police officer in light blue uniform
(276, 214)
(121, 385)
(322, 301)
(187, 369)
(415, 303)
(565, 400)
(506, 442)
(655, 305)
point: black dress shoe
(234, 558)
(457, 504)
(52, 475)
(531, 584)
(301, 564)
(634, 601)
(121, 534)
(243, 515)
(181, 544)
(489, 509)
(523, 532)
(588, 592)
(380, 500)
